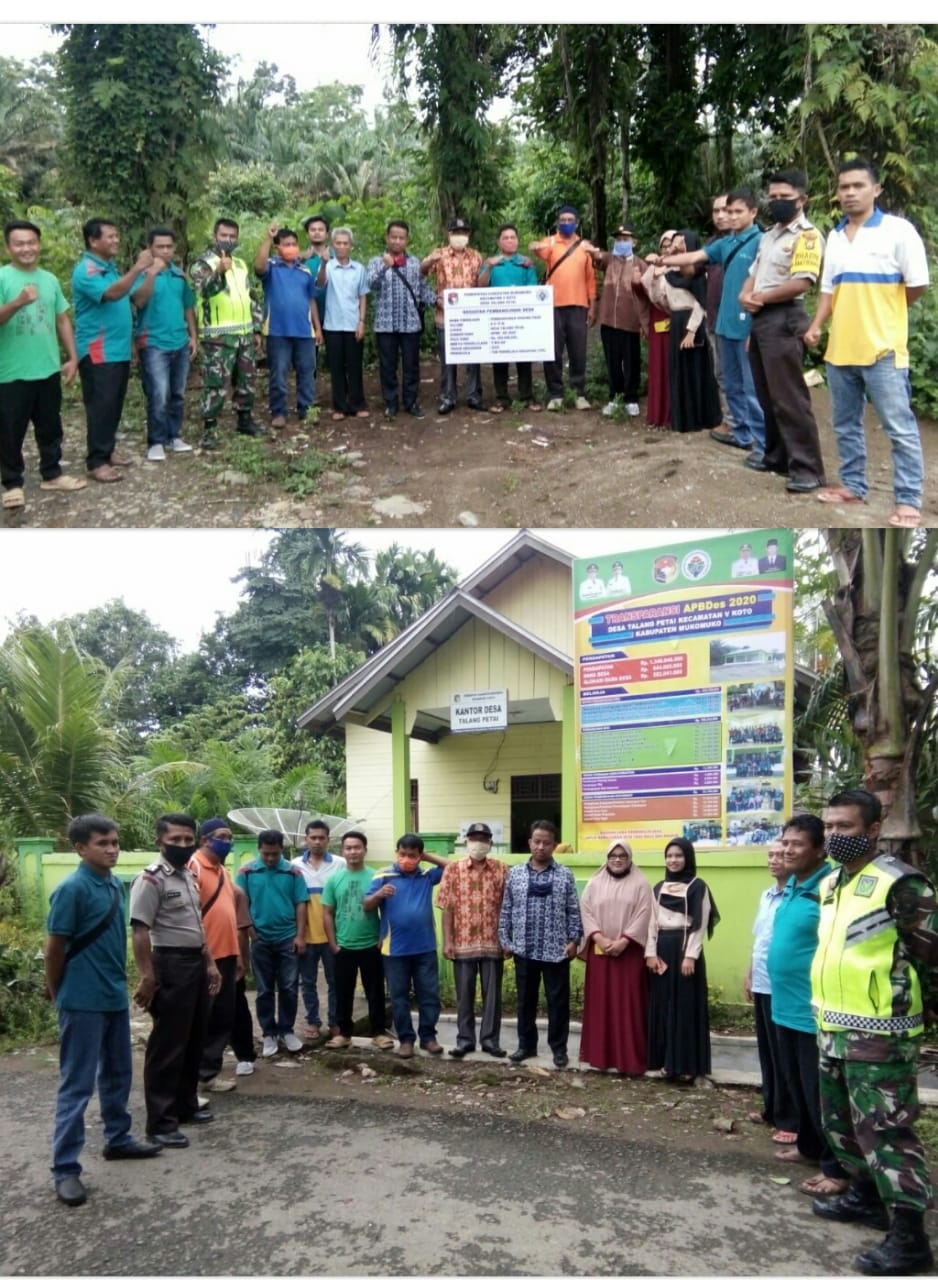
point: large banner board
(492, 326)
(685, 692)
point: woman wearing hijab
(681, 292)
(678, 1022)
(658, 409)
(616, 909)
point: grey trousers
(714, 342)
(489, 970)
(473, 384)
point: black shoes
(445, 407)
(904, 1252)
(247, 426)
(390, 413)
(133, 1150)
(175, 1139)
(859, 1203)
(520, 1055)
(204, 1115)
(461, 1051)
(803, 486)
(71, 1191)
(415, 411)
(475, 404)
(721, 437)
(495, 1051)
(560, 1061)
(755, 462)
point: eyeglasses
(618, 855)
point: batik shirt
(540, 912)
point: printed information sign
(479, 712)
(491, 326)
(685, 692)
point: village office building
(508, 625)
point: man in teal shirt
(33, 322)
(277, 896)
(167, 339)
(508, 269)
(86, 976)
(103, 331)
(791, 951)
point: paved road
(306, 1186)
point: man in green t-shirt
(353, 940)
(33, 321)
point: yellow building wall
(477, 658)
(449, 776)
(538, 597)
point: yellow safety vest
(851, 975)
(229, 310)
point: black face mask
(846, 849)
(783, 211)
(177, 855)
(225, 250)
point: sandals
(906, 517)
(13, 499)
(535, 408)
(784, 1137)
(756, 1117)
(836, 496)
(822, 1184)
(793, 1156)
(497, 408)
(338, 417)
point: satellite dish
(292, 822)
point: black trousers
(344, 354)
(556, 978)
(489, 970)
(37, 401)
(473, 382)
(174, 1049)
(570, 334)
(242, 1030)
(348, 965)
(525, 382)
(778, 1105)
(776, 357)
(799, 1050)
(405, 348)
(103, 388)
(221, 1019)
(623, 361)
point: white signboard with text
(479, 712)
(493, 326)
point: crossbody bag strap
(736, 248)
(85, 939)
(214, 898)
(406, 283)
(550, 271)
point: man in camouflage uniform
(874, 980)
(229, 317)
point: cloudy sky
(182, 578)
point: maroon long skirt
(615, 1011)
(658, 409)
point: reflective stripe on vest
(228, 311)
(851, 975)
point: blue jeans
(745, 409)
(276, 966)
(281, 353)
(424, 972)
(890, 391)
(164, 376)
(309, 970)
(93, 1048)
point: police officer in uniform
(229, 317)
(177, 978)
(784, 269)
(873, 981)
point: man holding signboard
(508, 269)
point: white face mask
(458, 242)
(478, 850)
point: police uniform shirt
(792, 252)
(166, 900)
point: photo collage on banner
(684, 692)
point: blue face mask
(567, 229)
(622, 249)
(220, 848)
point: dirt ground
(572, 469)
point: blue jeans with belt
(93, 1048)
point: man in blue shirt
(167, 339)
(291, 322)
(400, 292)
(86, 976)
(103, 331)
(404, 895)
(540, 926)
(735, 254)
(791, 951)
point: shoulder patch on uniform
(865, 887)
(154, 867)
(807, 252)
(150, 879)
